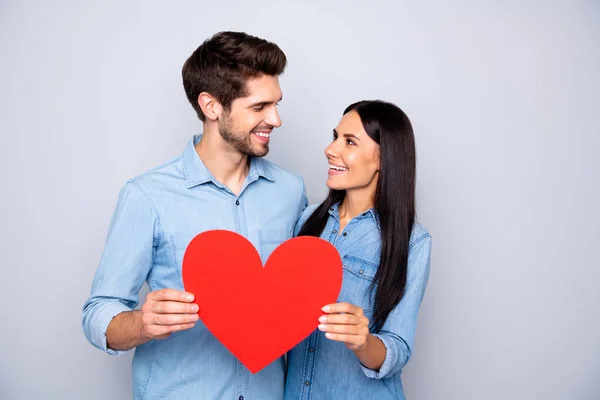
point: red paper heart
(260, 313)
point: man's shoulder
(163, 174)
(280, 174)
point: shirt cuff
(388, 362)
(100, 325)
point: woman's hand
(345, 323)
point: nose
(273, 118)
(331, 151)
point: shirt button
(362, 271)
(334, 231)
(241, 398)
(365, 214)
(307, 383)
(331, 209)
(345, 233)
(237, 203)
(311, 350)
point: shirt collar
(196, 173)
(370, 213)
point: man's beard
(242, 143)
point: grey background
(504, 98)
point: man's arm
(110, 322)
(165, 311)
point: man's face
(248, 125)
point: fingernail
(323, 318)
(195, 308)
(328, 335)
(321, 327)
(189, 297)
(326, 308)
(194, 317)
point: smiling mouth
(337, 168)
(263, 134)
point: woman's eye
(349, 141)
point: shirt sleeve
(398, 332)
(304, 217)
(303, 199)
(126, 261)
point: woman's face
(353, 156)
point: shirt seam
(424, 236)
(155, 208)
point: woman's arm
(385, 353)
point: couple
(220, 181)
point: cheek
(352, 160)
(252, 121)
(244, 121)
(363, 164)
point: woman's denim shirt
(319, 368)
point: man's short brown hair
(222, 65)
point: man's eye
(257, 109)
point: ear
(210, 106)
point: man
(219, 182)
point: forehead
(351, 123)
(262, 89)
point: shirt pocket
(179, 241)
(356, 284)
(269, 239)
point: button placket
(312, 343)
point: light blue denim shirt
(156, 217)
(321, 369)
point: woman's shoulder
(308, 211)
(418, 234)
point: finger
(158, 331)
(172, 307)
(348, 339)
(342, 308)
(170, 319)
(346, 319)
(345, 329)
(170, 294)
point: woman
(365, 339)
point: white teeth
(336, 168)
(263, 134)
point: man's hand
(167, 311)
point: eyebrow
(265, 103)
(346, 135)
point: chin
(257, 151)
(333, 186)
(261, 152)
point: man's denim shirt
(321, 369)
(156, 217)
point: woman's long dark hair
(394, 200)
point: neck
(356, 202)
(225, 163)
